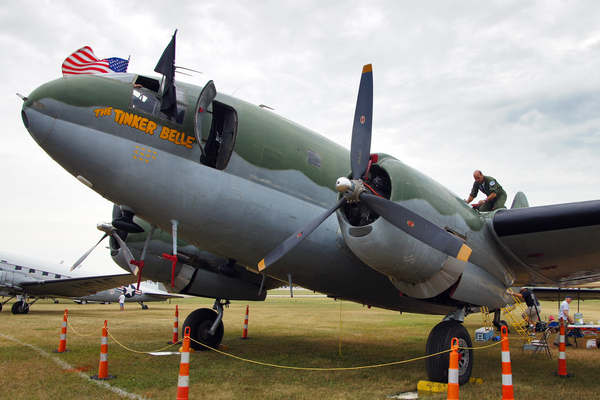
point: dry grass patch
(297, 332)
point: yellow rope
(338, 368)
(136, 351)
(81, 334)
(289, 367)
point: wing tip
(367, 68)
(464, 253)
(261, 265)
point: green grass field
(303, 332)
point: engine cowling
(415, 268)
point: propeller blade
(87, 253)
(360, 149)
(418, 227)
(126, 252)
(297, 237)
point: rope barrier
(291, 367)
(338, 368)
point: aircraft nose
(41, 108)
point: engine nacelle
(415, 268)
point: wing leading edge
(77, 287)
(557, 242)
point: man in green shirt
(496, 196)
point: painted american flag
(84, 61)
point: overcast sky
(508, 87)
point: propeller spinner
(354, 190)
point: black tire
(200, 322)
(20, 307)
(440, 339)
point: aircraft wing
(163, 297)
(558, 294)
(77, 287)
(552, 245)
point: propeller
(108, 230)
(356, 191)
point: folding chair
(542, 343)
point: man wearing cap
(563, 314)
(495, 195)
(533, 310)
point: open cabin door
(223, 128)
(208, 94)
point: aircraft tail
(520, 201)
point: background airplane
(148, 292)
(30, 279)
(236, 180)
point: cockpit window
(144, 98)
(144, 101)
(148, 83)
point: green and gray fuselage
(260, 179)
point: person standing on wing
(496, 196)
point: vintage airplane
(236, 180)
(147, 292)
(29, 280)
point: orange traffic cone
(507, 385)
(183, 383)
(245, 331)
(103, 368)
(176, 326)
(62, 344)
(562, 354)
(453, 371)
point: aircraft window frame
(32, 270)
(57, 276)
(18, 268)
(44, 273)
(144, 100)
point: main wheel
(200, 321)
(20, 307)
(440, 339)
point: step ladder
(513, 314)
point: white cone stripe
(104, 340)
(63, 336)
(103, 357)
(506, 380)
(562, 355)
(452, 375)
(185, 358)
(505, 356)
(183, 380)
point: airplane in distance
(148, 292)
(30, 279)
(240, 183)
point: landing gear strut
(206, 326)
(439, 340)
